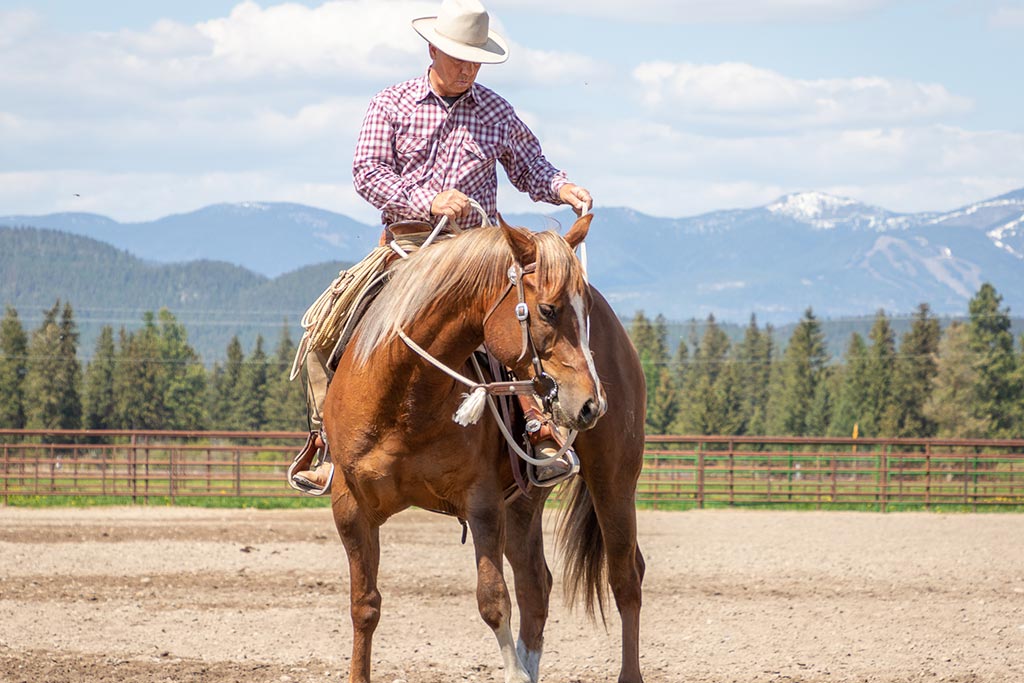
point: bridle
(543, 384)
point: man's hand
(451, 203)
(576, 197)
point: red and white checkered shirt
(412, 146)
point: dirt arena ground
(181, 594)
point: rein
(542, 384)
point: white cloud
(666, 171)
(265, 103)
(699, 11)
(737, 94)
(1008, 16)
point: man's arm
(374, 173)
(532, 173)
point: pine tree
(224, 387)
(651, 342)
(880, 416)
(997, 394)
(707, 407)
(951, 403)
(70, 371)
(13, 367)
(753, 358)
(99, 402)
(286, 403)
(138, 382)
(852, 389)
(795, 387)
(182, 377)
(916, 365)
(251, 391)
(53, 373)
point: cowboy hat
(461, 30)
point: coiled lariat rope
(325, 319)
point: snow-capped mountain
(835, 254)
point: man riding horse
(428, 147)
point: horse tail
(582, 547)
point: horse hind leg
(616, 514)
(601, 530)
(525, 552)
(492, 596)
(362, 545)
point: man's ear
(520, 240)
(578, 232)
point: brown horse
(388, 421)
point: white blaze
(584, 327)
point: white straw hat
(461, 30)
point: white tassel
(472, 408)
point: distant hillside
(108, 286)
(216, 300)
(839, 256)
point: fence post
(966, 480)
(238, 473)
(883, 478)
(170, 474)
(7, 470)
(700, 475)
(732, 475)
(133, 457)
(928, 476)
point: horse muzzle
(582, 418)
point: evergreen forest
(964, 381)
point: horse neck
(449, 336)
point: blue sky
(671, 107)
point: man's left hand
(577, 197)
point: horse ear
(578, 232)
(521, 242)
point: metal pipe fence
(679, 471)
(815, 472)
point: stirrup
(307, 460)
(574, 468)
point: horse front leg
(488, 526)
(362, 544)
(525, 552)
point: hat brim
(494, 51)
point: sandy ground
(154, 595)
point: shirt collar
(424, 91)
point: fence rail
(678, 471)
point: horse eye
(548, 312)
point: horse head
(540, 330)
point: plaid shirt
(412, 147)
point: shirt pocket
(412, 156)
(477, 163)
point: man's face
(450, 76)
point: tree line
(149, 378)
(964, 382)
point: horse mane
(457, 271)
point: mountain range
(834, 254)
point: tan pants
(316, 386)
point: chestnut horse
(388, 419)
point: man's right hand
(451, 203)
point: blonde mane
(457, 272)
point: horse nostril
(588, 413)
